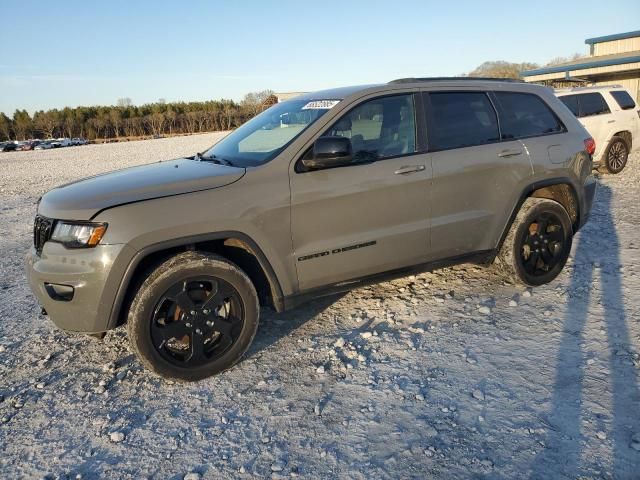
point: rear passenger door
(475, 172)
(527, 117)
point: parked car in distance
(61, 142)
(8, 147)
(44, 145)
(319, 194)
(611, 116)
(78, 141)
(28, 145)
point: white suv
(610, 115)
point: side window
(461, 119)
(379, 128)
(525, 115)
(623, 99)
(592, 104)
(571, 101)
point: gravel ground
(451, 374)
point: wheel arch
(626, 136)
(237, 247)
(559, 189)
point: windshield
(265, 136)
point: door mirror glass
(329, 152)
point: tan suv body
(322, 193)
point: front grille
(42, 230)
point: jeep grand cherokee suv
(318, 194)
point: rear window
(525, 115)
(571, 101)
(624, 99)
(461, 119)
(592, 104)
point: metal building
(612, 60)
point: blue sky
(69, 53)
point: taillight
(590, 145)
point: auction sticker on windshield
(320, 104)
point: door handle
(611, 121)
(509, 153)
(409, 169)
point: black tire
(194, 316)
(530, 257)
(615, 156)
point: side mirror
(329, 152)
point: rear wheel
(194, 316)
(616, 155)
(538, 243)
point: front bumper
(94, 274)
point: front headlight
(78, 235)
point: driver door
(371, 215)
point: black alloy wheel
(196, 321)
(194, 316)
(543, 247)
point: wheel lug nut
(188, 325)
(198, 331)
(205, 311)
(209, 323)
(192, 312)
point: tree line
(502, 69)
(128, 120)
(162, 118)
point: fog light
(59, 292)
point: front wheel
(538, 243)
(194, 316)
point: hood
(81, 200)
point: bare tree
(190, 121)
(255, 102)
(170, 116)
(47, 122)
(501, 69)
(115, 116)
(559, 60)
(124, 102)
(155, 122)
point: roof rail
(436, 79)
(587, 87)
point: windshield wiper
(213, 158)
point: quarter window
(592, 104)
(525, 115)
(379, 128)
(461, 119)
(624, 99)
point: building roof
(610, 38)
(589, 62)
